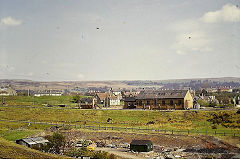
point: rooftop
(155, 94)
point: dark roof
(156, 94)
(87, 99)
(141, 142)
(129, 99)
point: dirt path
(121, 153)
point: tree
(225, 100)
(56, 142)
(76, 99)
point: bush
(225, 119)
(56, 143)
(76, 99)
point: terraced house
(161, 100)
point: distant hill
(171, 83)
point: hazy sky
(119, 39)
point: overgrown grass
(11, 150)
(174, 120)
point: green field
(169, 120)
(227, 121)
(38, 101)
(222, 121)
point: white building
(7, 91)
(48, 93)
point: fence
(130, 129)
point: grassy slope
(12, 150)
(176, 120)
(38, 101)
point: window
(140, 103)
(171, 102)
(148, 102)
(179, 102)
(163, 102)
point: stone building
(162, 100)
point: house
(102, 98)
(116, 91)
(209, 99)
(114, 100)
(129, 102)
(141, 145)
(107, 99)
(88, 103)
(225, 89)
(32, 142)
(48, 93)
(164, 99)
(7, 91)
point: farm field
(38, 101)
(227, 121)
(17, 121)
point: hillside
(195, 82)
(12, 150)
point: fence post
(234, 135)
(215, 132)
(224, 133)
(188, 132)
(172, 132)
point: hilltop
(127, 84)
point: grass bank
(11, 150)
(170, 120)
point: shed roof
(34, 140)
(141, 142)
(129, 99)
(87, 99)
(155, 94)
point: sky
(80, 40)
